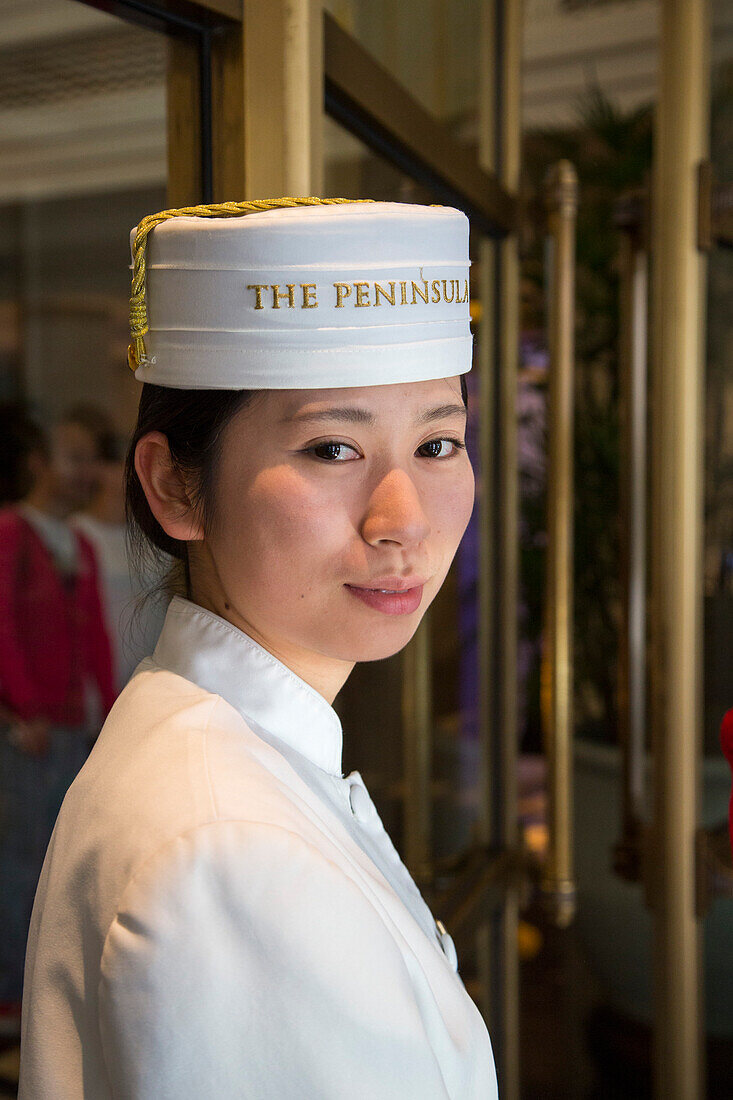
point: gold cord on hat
(136, 353)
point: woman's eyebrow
(363, 416)
(353, 416)
(441, 411)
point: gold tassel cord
(138, 304)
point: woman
(221, 913)
(55, 668)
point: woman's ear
(165, 489)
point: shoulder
(143, 783)
(232, 855)
(12, 523)
(197, 810)
(240, 952)
(240, 891)
(171, 757)
(145, 778)
(156, 700)
(19, 539)
(172, 731)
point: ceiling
(82, 94)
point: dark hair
(20, 437)
(193, 422)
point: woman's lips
(391, 603)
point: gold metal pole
(678, 282)
(283, 97)
(508, 504)
(556, 667)
(417, 732)
(498, 354)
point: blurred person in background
(53, 644)
(133, 623)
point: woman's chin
(379, 645)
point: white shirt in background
(133, 623)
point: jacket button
(446, 942)
(361, 806)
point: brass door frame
(500, 136)
(678, 863)
(357, 91)
(202, 149)
(369, 102)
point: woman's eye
(331, 451)
(433, 447)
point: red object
(726, 740)
(52, 635)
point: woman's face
(73, 476)
(323, 497)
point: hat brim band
(186, 367)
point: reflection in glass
(83, 149)
(430, 48)
(718, 529)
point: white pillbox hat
(300, 294)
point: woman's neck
(45, 502)
(326, 675)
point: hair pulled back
(193, 422)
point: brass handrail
(681, 138)
(558, 885)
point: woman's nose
(395, 513)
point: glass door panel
(431, 48)
(83, 148)
(83, 154)
(718, 552)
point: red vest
(52, 633)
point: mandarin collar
(210, 651)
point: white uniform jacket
(221, 913)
